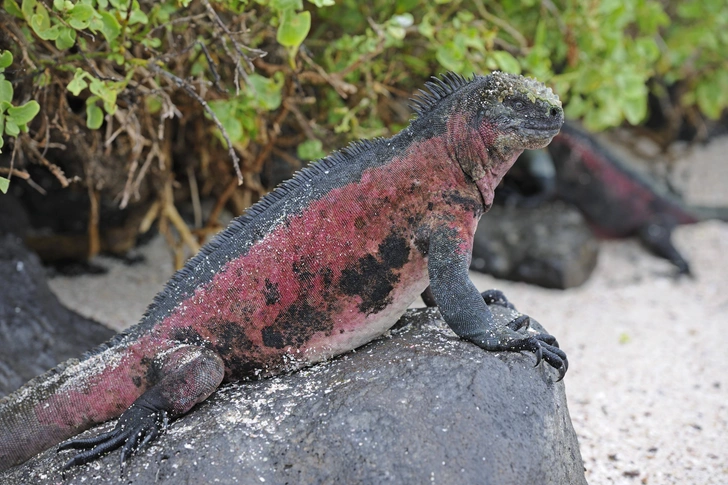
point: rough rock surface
(36, 330)
(549, 245)
(418, 406)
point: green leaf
(6, 59)
(286, 4)
(451, 56)
(137, 15)
(28, 7)
(6, 90)
(153, 42)
(66, 38)
(576, 107)
(293, 28)
(106, 91)
(235, 130)
(634, 109)
(11, 128)
(707, 95)
(110, 27)
(310, 150)
(153, 104)
(97, 87)
(78, 83)
(40, 22)
(4, 183)
(267, 91)
(323, 3)
(398, 24)
(94, 115)
(425, 28)
(225, 112)
(22, 115)
(80, 16)
(11, 7)
(506, 62)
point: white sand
(647, 385)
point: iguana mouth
(539, 135)
(551, 130)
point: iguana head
(490, 120)
(522, 112)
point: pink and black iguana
(323, 264)
(615, 200)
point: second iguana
(325, 263)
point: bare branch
(14, 172)
(55, 169)
(190, 90)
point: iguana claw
(136, 427)
(524, 321)
(548, 349)
(545, 348)
(539, 355)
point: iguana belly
(354, 329)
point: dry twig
(190, 90)
(30, 145)
(14, 172)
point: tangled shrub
(141, 84)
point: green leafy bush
(274, 74)
(13, 119)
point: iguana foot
(545, 347)
(496, 297)
(657, 237)
(513, 336)
(136, 427)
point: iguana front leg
(466, 310)
(491, 297)
(190, 373)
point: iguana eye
(518, 105)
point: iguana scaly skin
(323, 264)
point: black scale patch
(373, 279)
(296, 325)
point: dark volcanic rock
(550, 245)
(419, 406)
(36, 331)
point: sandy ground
(647, 384)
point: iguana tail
(705, 213)
(63, 402)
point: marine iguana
(323, 264)
(617, 202)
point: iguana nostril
(555, 111)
